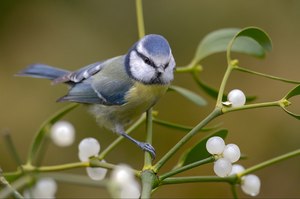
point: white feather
(139, 69)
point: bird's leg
(143, 145)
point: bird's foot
(143, 145)
(148, 148)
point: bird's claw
(149, 148)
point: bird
(118, 90)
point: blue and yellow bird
(119, 89)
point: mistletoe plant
(40, 180)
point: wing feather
(81, 74)
(99, 83)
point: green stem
(251, 106)
(74, 179)
(184, 69)
(270, 162)
(11, 189)
(60, 167)
(190, 68)
(12, 176)
(180, 126)
(120, 138)
(215, 113)
(172, 125)
(234, 192)
(10, 145)
(149, 130)
(192, 179)
(266, 75)
(147, 175)
(223, 84)
(140, 18)
(148, 179)
(96, 163)
(186, 167)
(91, 163)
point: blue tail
(42, 71)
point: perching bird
(119, 89)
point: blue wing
(100, 83)
(86, 92)
(82, 93)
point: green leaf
(172, 125)
(294, 92)
(199, 152)
(214, 42)
(251, 40)
(180, 126)
(44, 129)
(189, 95)
(214, 92)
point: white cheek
(168, 75)
(139, 69)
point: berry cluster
(90, 147)
(122, 182)
(225, 155)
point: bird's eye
(147, 60)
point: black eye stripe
(166, 65)
(146, 59)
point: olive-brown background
(73, 33)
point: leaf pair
(251, 40)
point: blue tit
(120, 89)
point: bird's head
(150, 60)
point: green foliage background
(71, 34)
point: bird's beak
(160, 69)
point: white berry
(96, 173)
(215, 145)
(122, 175)
(236, 168)
(123, 183)
(251, 185)
(130, 190)
(88, 147)
(236, 97)
(47, 184)
(62, 133)
(232, 152)
(222, 167)
(44, 188)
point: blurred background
(74, 33)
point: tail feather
(42, 71)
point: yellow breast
(146, 95)
(139, 99)
(142, 97)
